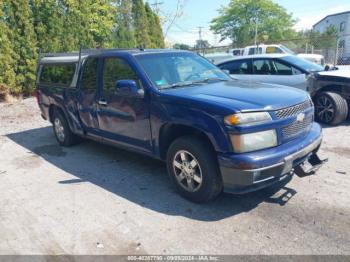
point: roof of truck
(74, 56)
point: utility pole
(200, 37)
(156, 5)
(256, 32)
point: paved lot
(93, 199)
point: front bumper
(243, 173)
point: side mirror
(128, 87)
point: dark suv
(214, 133)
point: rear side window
(236, 67)
(89, 79)
(57, 74)
(254, 50)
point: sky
(200, 12)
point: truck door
(87, 96)
(123, 117)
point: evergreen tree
(7, 73)
(159, 37)
(48, 23)
(154, 28)
(18, 17)
(87, 23)
(140, 24)
(123, 34)
(151, 26)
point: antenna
(79, 61)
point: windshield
(287, 50)
(302, 63)
(170, 70)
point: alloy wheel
(324, 109)
(59, 130)
(187, 171)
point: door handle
(102, 102)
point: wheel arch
(169, 132)
(330, 88)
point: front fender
(168, 113)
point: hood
(334, 76)
(242, 96)
(337, 73)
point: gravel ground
(94, 199)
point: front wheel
(330, 108)
(193, 169)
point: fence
(335, 50)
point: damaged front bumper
(243, 173)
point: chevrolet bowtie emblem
(301, 117)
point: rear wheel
(330, 108)
(63, 134)
(193, 169)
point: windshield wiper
(189, 83)
(207, 80)
(178, 84)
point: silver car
(330, 90)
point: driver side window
(239, 67)
(115, 69)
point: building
(341, 21)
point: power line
(156, 5)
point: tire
(194, 159)
(62, 132)
(330, 108)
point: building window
(342, 26)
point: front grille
(298, 127)
(293, 110)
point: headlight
(253, 141)
(247, 118)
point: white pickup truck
(279, 49)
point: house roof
(341, 13)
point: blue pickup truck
(214, 133)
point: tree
(140, 24)
(123, 32)
(151, 26)
(181, 46)
(7, 73)
(17, 15)
(158, 33)
(48, 22)
(154, 28)
(242, 18)
(88, 23)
